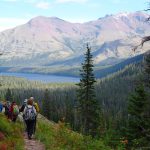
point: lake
(42, 77)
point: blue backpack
(1, 107)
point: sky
(17, 12)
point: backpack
(1, 107)
(29, 113)
(36, 107)
(15, 110)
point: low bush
(11, 135)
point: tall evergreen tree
(46, 104)
(147, 69)
(8, 95)
(89, 109)
(138, 123)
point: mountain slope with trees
(111, 92)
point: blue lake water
(42, 77)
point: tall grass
(59, 137)
(11, 135)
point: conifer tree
(147, 69)
(88, 106)
(45, 106)
(138, 124)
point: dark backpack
(7, 107)
(29, 113)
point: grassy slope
(10, 135)
(54, 136)
(59, 137)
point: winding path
(33, 144)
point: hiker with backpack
(30, 116)
(36, 106)
(14, 111)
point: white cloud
(31, 1)
(43, 5)
(7, 23)
(10, 0)
(75, 1)
(2, 28)
(116, 1)
(13, 20)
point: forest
(59, 101)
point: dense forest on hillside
(112, 93)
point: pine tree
(46, 104)
(147, 69)
(138, 123)
(147, 78)
(8, 95)
(89, 109)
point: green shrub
(58, 137)
(13, 138)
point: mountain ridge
(47, 40)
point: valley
(91, 79)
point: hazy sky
(16, 12)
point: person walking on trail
(36, 106)
(14, 111)
(1, 107)
(29, 116)
(21, 110)
(23, 106)
(7, 108)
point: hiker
(23, 106)
(21, 110)
(7, 108)
(36, 106)
(14, 111)
(29, 116)
(1, 107)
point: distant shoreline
(42, 77)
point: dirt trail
(33, 144)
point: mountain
(50, 41)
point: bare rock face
(44, 40)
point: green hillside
(11, 135)
(60, 137)
(54, 136)
(112, 93)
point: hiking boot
(33, 136)
(29, 137)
